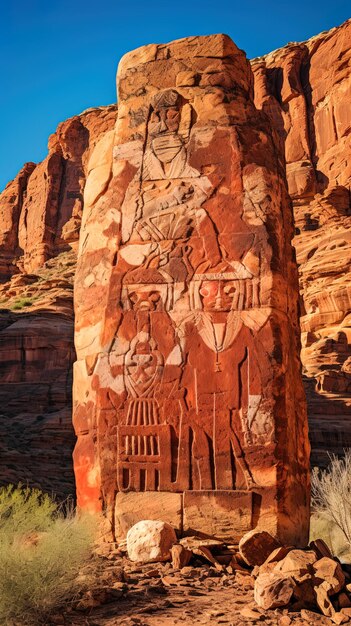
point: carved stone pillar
(188, 397)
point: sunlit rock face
(187, 385)
(40, 214)
(305, 90)
(41, 209)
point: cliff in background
(305, 89)
(41, 211)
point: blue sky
(58, 58)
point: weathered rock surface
(11, 200)
(330, 572)
(41, 208)
(256, 546)
(186, 297)
(305, 90)
(301, 580)
(36, 357)
(180, 556)
(297, 563)
(272, 590)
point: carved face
(166, 147)
(217, 295)
(164, 120)
(142, 366)
(145, 300)
(163, 128)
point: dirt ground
(157, 595)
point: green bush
(21, 303)
(42, 550)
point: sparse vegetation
(22, 303)
(52, 282)
(331, 505)
(42, 550)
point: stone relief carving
(168, 128)
(187, 300)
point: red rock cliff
(41, 208)
(305, 89)
(40, 218)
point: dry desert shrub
(322, 528)
(331, 504)
(42, 550)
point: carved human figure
(143, 374)
(168, 133)
(163, 208)
(175, 271)
(223, 398)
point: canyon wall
(305, 90)
(41, 210)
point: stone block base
(226, 515)
(132, 507)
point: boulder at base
(273, 590)
(256, 546)
(149, 541)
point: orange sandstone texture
(305, 90)
(187, 380)
(11, 200)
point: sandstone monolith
(187, 378)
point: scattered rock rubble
(207, 582)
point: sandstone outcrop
(40, 219)
(41, 208)
(12, 199)
(187, 380)
(305, 90)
